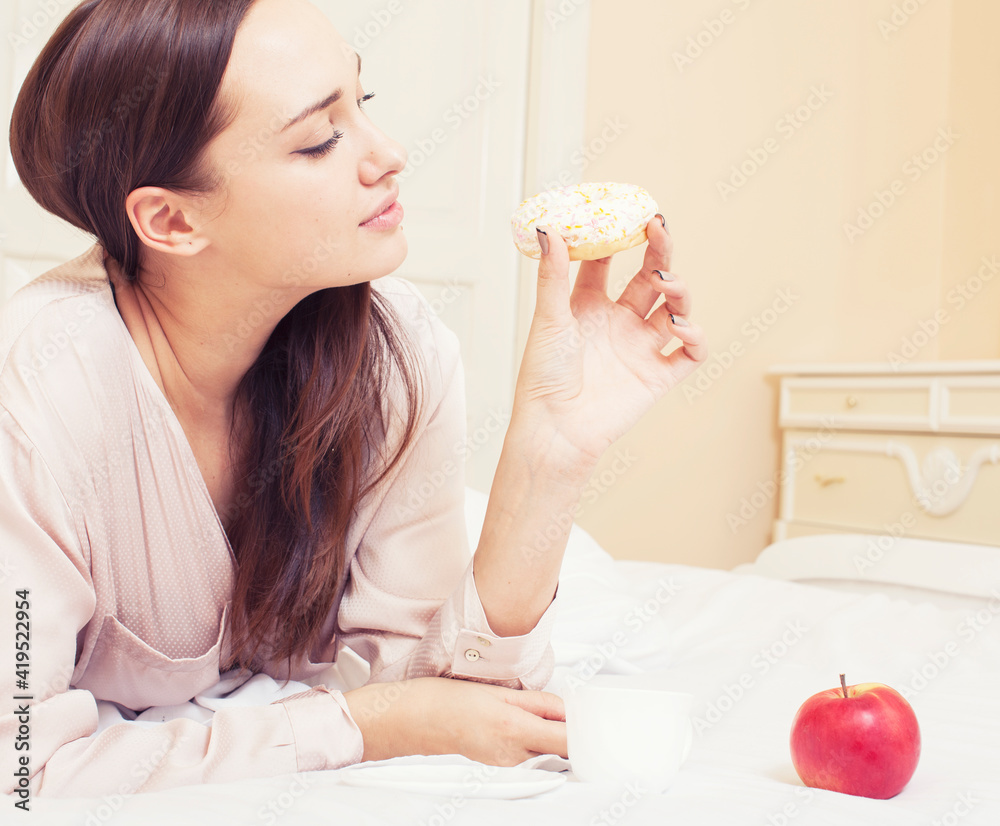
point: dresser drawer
(858, 403)
(971, 404)
(934, 487)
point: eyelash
(327, 147)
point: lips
(384, 205)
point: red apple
(861, 739)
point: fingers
(541, 716)
(639, 294)
(684, 359)
(548, 737)
(593, 275)
(553, 276)
(541, 703)
(674, 290)
(541, 734)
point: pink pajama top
(106, 523)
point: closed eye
(323, 148)
(327, 146)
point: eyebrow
(318, 107)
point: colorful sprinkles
(588, 213)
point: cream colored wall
(776, 273)
(972, 201)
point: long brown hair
(124, 95)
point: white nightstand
(911, 452)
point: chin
(389, 256)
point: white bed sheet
(750, 649)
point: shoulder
(47, 314)
(62, 363)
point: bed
(751, 644)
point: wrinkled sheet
(750, 649)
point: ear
(163, 221)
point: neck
(198, 335)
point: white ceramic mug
(623, 730)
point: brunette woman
(212, 421)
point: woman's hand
(592, 367)
(439, 715)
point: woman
(204, 475)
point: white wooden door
(450, 78)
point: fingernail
(662, 221)
(543, 240)
(664, 276)
(679, 321)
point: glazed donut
(595, 219)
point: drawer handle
(851, 401)
(825, 481)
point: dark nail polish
(543, 240)
(662, 221)
(678, 321)
(665, 276)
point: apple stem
(843, 685)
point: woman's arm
(411, 608)
(591, 368)
(535, 492)
(52, 744)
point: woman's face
(302, 172)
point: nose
(384, 156)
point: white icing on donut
(587, 213)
